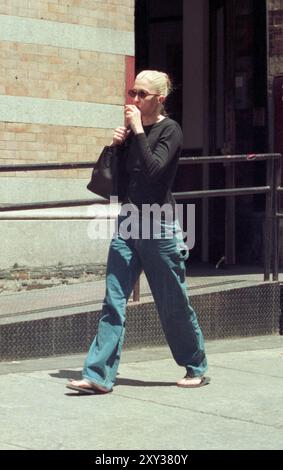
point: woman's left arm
(167, 147)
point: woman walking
(149, 148)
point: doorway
(159, 44)
(215, 51)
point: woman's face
(149, 104)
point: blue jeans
(162, 260)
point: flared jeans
(162, 260)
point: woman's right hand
(120, 135)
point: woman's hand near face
(133, 118)
(119, 136)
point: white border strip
(53, 33)
(59, 112)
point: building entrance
(215, 51)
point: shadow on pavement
(76, 375)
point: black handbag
(104, 175)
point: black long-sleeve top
(148, 164)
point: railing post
(230, 255)
(204, 215)
(136, 291)
(276, 206)
(268, 218)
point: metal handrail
(45, 166)
(271, 190)
(51, 204)
(222, 192)
(183, 161)
(229, 158)
(6, 207)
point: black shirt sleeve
(154, 162)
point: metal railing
(272, 191)
(276, 216)
(272, 200)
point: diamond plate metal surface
(281, 308)
(143, 327)
(239, 312)
(248, 311)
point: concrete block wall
(62, 89)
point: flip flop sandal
(83, 390)
(93, 389)
(204, 381)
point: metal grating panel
(143, 327)
(281, 308)
(248, 311)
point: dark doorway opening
(238, 125)
(236, 119)
(159, 41)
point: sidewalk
(240, 409)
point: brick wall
(33, 143)
(67, 74)
(275, 28)
(113, 14)
(59, 73)
(275, 15)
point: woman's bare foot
(193, 382)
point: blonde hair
(160, 81)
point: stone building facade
(275, 20)
(64, 66)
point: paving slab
(240, 409)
